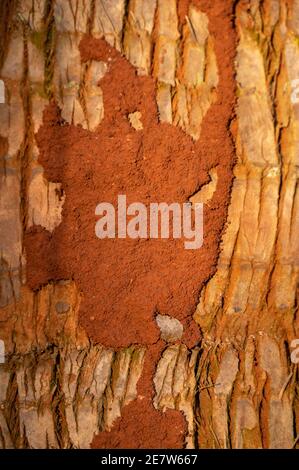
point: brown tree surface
(142, 343)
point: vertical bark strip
(247, 311)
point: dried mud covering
(141, 426)
(124, 283)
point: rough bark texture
(237, 387)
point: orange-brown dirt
(124, 283)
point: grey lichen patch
(62, 307)
(171, 329)
(135, 120)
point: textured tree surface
(223, 74)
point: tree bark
(239, 387)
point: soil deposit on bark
(124, 282)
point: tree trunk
(238, 385)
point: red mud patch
(125, 282)
(158, 431)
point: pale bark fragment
(5, 439)
(12, 129)
(36, 60)
(175, 384)
(13, 64)
(294, 17)
(75, 84)
(137, 39)
(164, 65)
(92, 379)
(136, 367)
(194, 92)
(194, 47)
(286, 272)
(35, 393)
(108, 21)
(92, 93)
(205, 194)
(10, 236)
(45, 202)
(72, 16)
(73, 364)
(246, 420)
(164, 103)
(280, 409)
(135, 120)
(67, 78)
(117, 387)
(32, 12)
(13, 125)
(212, 294)
(246, 429)
(223, 387)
